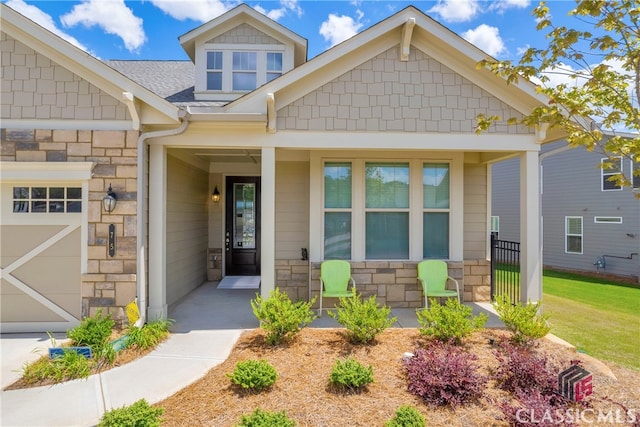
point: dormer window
(274, 65)
(244, 71)
(214, 70)
(234, 69)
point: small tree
(601, 74)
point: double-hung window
(386, 210)
(244, 77)
(573, 234)
(435, 216)
(610, 168)
(274, 65)
(635, 173)
(214, 70)
(337, 210)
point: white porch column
(157, 232)
(268, 221)
(530, 251)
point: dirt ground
(304, 366)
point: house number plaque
(112, 240)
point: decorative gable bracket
(407, 31)
(271, 113)
(541, 132)
(134, 108)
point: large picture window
(379, 210)
(387, 210)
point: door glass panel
(244, 216)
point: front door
(242, 234)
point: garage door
(40, 257)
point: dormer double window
(234, 70)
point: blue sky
(149, 29)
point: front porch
(209, 308)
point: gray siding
(571, 186)
(505, 200)
(475, 211)
(187, 227)
(292, 209)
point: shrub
(452, 321)
(94, 332)
(363, 320)
(522, 370)
(254, 375)
(406, 416)
(139, 414)
(350, 375)
(149, 335)
(69, 366)
(280, 317)
(444, 374)
(525, 322)
(535, 408)
(260, 418)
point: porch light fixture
(109, 201)
(215, 196)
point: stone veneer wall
(109, 283)
(393, 282)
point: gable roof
(425, 34)
(152, 108)
(243, 14)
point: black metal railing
(505, 269)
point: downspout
(183, 116)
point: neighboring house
(365, 153)
(589, 224)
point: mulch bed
(304, 366)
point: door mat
(239, 282)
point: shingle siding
(386, 94)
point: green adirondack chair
(433, 275)
(335, 276)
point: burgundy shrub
(444, 374)
(521, 369)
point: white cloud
(197, 10)
(486, 38)
(503, 5)
(285, 7)
(456, 10)
(112, 16)
(337, 29)
(44, 20)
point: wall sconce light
(110, 200)
(215, 196)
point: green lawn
(601, 318)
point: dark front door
(242, 234)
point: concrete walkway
(208, 323)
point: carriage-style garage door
(40, 256)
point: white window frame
(607, 220)
(567, 234)
(635, 180)
(456, 206)
(605, 174)
(227, 92)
